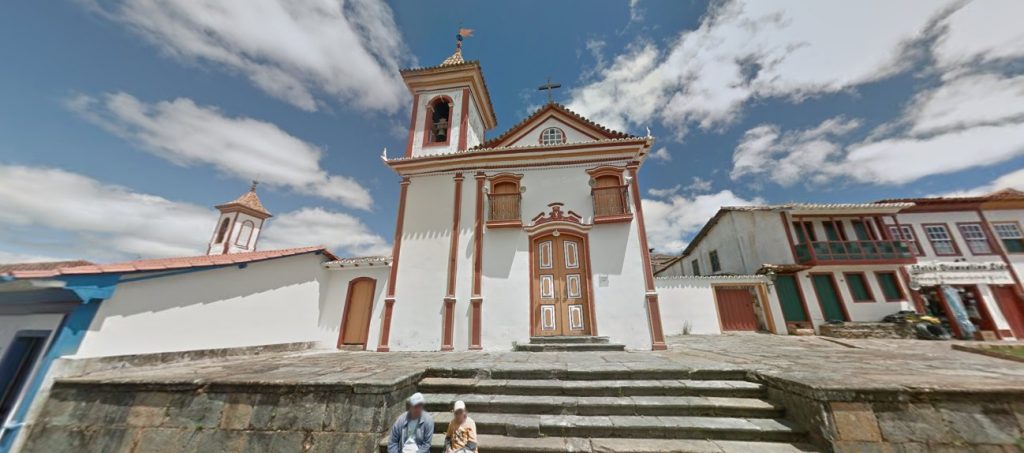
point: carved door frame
(590, 320)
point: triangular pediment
(575, 127)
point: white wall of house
(267, 302)
(739, 239)
(688, 303)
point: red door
(1010, 305)
(736, 308)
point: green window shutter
(890, 287)
(858, 287)
(789, 297)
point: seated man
(413, 430)
(461, 434)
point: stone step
(608, 405)
(671, 387)
(629, 426)
(504, 444)
(596, 372)
(568, 339)
(569, 347)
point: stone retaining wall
(867, 420)
(214, 418)
(876, 330)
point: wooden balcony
(854, 252)
(503, 210)
(610, 204)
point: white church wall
(267, 302)
(335, 294)
(532, 138)
(475, 134)
(425, 97)
(464, 264)
(423, 264)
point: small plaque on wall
(602, 281)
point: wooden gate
(355, 323)
(1012, 308)
(736, 308)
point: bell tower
(239, 226)
(451, 108)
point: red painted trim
(565, 121)
(412, 125)
(653, 309)
(464, 120)
(988, 238)
(839, 294)
(231, 232)
(986, 312)
(867, 284)
(256, 243)
(447, 330)
(389, 298)
(949, 232)
(248, 240)
(476, 301)
(348, 306)
(623, 218)
(429, 116)
(216, 229)
(995, 235)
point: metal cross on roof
(549, 86)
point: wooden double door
(561, 286)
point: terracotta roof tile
(248, 200)
(169, 263)
(41, 266)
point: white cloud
(671, 222)
(84, 218)
(662, 193)
(790, 157)
(981, 31)
(971, 100)
(1012, 180)
(337, 231)
(14, 257)
(295, 50)
(188, 134)
(749, 49)
(662, 154)
(699, 185)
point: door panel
(357, 314)
(561, 286)
(789, 297)
(736, 308)
(1012, 308)
(828, 296)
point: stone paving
(814, 361)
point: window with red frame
(977, 240)
(942, 241)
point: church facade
(536, 232)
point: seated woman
(461, 435)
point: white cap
(459, 406)
(416, 399)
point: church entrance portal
(560, 299)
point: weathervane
(549, 86)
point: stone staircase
(612, 410)
(571, 343)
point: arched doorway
(561, 296)
(355, 322)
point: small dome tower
(239, 226)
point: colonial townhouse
(970, 255)
(825, 261)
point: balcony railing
(833, 251)
(504, 209)
(610, 203)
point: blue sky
(123, 122)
